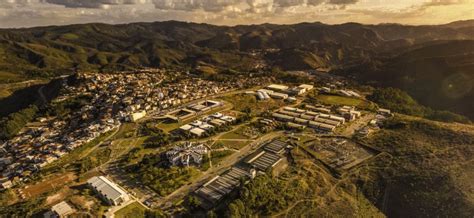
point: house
(59, 210)
(108, 191)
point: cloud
(343, 2)
(94, 3)
(18, 13)
(191, 5)
(444, 2)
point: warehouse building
(216, 188)
(108, 191)
(295, 126)
(276, 146)
(59, 210)
(276, 87)
(264, 160)
(282, 117)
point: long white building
(108, 191)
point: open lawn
(216, 158)
(134, 209)
(233, 135)
(242, 102)
(235, 144)
(341, 100)
(126, 130)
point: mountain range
(433, 63)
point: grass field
(6, 77)
(243, 101)
(134, 209)
(126, 130)
(235, 139)
(216, 158)
(341, 100)
(235, 144)
(233, 135)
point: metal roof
(62, 209)
(106, 188)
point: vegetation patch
(337, 100)
(399, 101)
(154, 173)
(6, 77)
(308, 191)
(134, 209)
(249, 104)
(216, 158)
(237, 145)
(419, 174)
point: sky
(28, 13)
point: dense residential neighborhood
(115, 98)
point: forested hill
(58, 49)
(439, 75)
(434, 64)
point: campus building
(108, 191)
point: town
(219, 133)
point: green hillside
(427, 170)
(47, 51)
(438, 75)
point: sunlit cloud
(23, 13)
